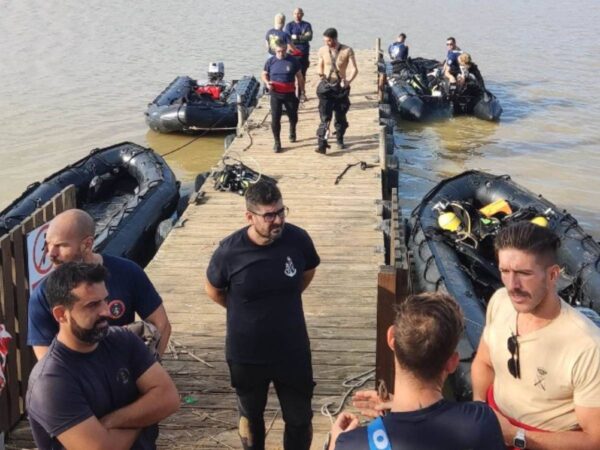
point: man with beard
(97, 387)
(258, 274)
(70, 237)
(538, 362)
(334, 88)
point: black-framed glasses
(514, 365)
(271, 216)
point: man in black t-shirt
(423, 337)
(97, 386)
(258, 274)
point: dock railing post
(241, 116)
(377, 50)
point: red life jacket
(212, 89)
(283, 88)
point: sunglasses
(271, 216)
(514, 366)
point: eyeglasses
(514, 366)
(270, 216)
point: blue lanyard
(378, 438)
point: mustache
(519, 292)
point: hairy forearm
(152, 407)
(109, 439)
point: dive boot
(277, 146)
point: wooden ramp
(340, 304)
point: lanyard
(378, 438)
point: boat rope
(363, 166)
(351, 384)
(204, 133)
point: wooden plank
(386, 298)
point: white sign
(38, 262)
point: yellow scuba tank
(499, 206)
(449, 221)
(540, 220)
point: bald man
(70, 237)
(301, 33)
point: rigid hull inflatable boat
(126, 188)
(451, 239)
(417, 91)
(187, 105)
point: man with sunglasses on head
(258, 274)
(538, 362)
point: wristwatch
(519, 440)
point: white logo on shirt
(290, 270)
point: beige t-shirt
(560, 366)
(342, 59)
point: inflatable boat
(417, 91)
(126, 188)
(187, 105)
(462, 262)
(412, 94)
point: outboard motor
(216, 72)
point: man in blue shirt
(451, 67)
(423, 338)
(277, 34)
(279, 75)
(301, 33)
(97, 386)
(70, 237)
(399, 50)
(258, 274)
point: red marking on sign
(42, 264)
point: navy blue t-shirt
(282, 70)
(452, 60)
(129, 291)
(442, 426)
(274, 35)
(299, 28)
(68, 387)
(265, 319)
(398, 51)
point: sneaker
(277, 147)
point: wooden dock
(340, 304)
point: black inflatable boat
(188, 105)
(126, 188)
(417, 91)
(462, 262)
(413, 94)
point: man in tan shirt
(334, 89)
(538, 362)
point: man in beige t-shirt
(538, 362)
(335, 60)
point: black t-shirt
(67, 387)
(265, 319)
(442, 426)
